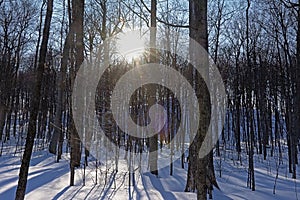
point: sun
(131, 45)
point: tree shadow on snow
(157, 184)
(45, 176)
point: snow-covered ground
(50, 180)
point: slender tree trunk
(20, 193)
(78, 13)
(153, 155)
(2, 118)
(298, 82)
(58, 134)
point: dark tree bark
(153, 156)
(78, 13)
(298, 75)
(297, 98)
(198, 167)
(249, 106)
(58, 134)
(2, 118)
(20, 193)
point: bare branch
(164, 22)
(289, 4)
(138, 14)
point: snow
(50, 180)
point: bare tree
(198, 167)
(78, 13)
(298, 74)
(153, 145)
(20, 193)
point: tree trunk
(78, 12)
(2, 118)
(197, 171)
(153, 155)
(297, 121)
(58, 134)
(20, 193)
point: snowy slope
(49, 180)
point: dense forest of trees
(255, 45)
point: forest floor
(50, 180)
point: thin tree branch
(138, 14)
(289, 4)
(164, 22)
